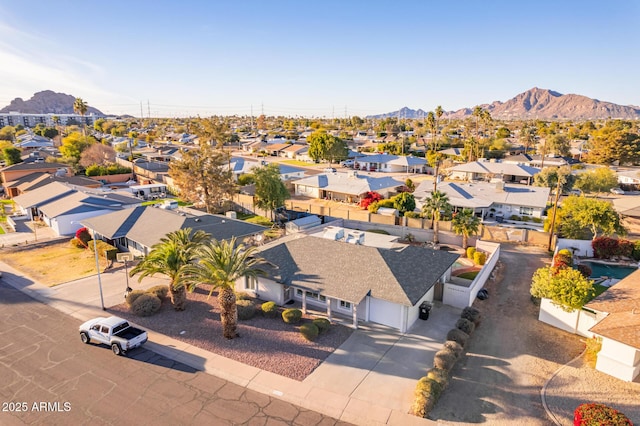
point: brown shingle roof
(622, 303)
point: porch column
(304, 302)
(329, 308)
(355, 316)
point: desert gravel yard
(510, 356)
(266, 343)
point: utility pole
(148, 109)
(553, 219)
(141, 113)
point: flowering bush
(83, 235)
(605, 247)
(599, 414)
(370, 198)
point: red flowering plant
(593, 414)
(370, 198)
(83, 236)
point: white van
(169, 205)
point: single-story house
(36, 180)
(29, 141)
(62, 207)
(137, 230)
(274, 149)
(490, 169)
(16, 171)
(629, 179)
(292, 151)
(489, 200)
(618, 314)
(349, 187)
(240, 166)
(534, 160)
(364, 282)
(390, 163)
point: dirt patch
(266, 343)
(510, 355)
(52, 264)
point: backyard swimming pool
(612, 271)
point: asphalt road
(47, 376)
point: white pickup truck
(113, 331)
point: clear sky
(316, 57)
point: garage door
(383, 312)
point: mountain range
(46, 102)
(540, 104)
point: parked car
(330, 170)
(347, 163)
(617, 191)
(113, 331)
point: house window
(497, 206)
(311, 295)
(344, 305)
(526, 211)
(250, 283)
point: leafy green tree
(11, 156)
(597, 216)
(170, 257)
(270, 190)
(615, 142)
(558, 144)
(220, 264)
(435, 206)
(7, 133)
(404, 202)
(502, 133)
(595, 181)
(213, 131)
(74, 144)
(566, 287)
(465, 223)
(323, 146)
(203, 177)
(98, 124)
(548, 177)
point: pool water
(460, 264)
(612, 271)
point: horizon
(315, 59)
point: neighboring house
(490, 169)
(147, 172)
(629, 179)
(349, 187)
(390, 163)
(618, 314)
(489, 200)
(253, 145)
(137, 230)
(16, 171)
(452, 152)
(274, 149)
(535, 160)
(61, 207)
(29, 141)
(385, 285)
(240, 166)
(36, 180)
(292, 151)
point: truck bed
(129, 333)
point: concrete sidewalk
(369, 380)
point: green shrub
(269, 309)
(412, 215)
(479, 258)
(444, 359)
(132, 296)
(75, 242)
(458, 336)
(515, 217)
(104, 249)
(470, 252)
(146, 305)
(246, 179)
(465, 325)
(585, 270)
(565, 252)
(472, 314)
(386, 203)
(323, 324)
(378, 231)
(453, 347)
(438, 375)
(427, 393)
(160, 291)
(536, 220)
(635, 253)
(292, 316)
(241, 295)
(373, 207)
(309, 330)
(246, 309)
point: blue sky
(316, 58)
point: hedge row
(145, 303)
(430, 387)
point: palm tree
(170, 257)
(431, 123)
(439, 112)
(220, 264)
(434, 206)
(465, 223)
(80, 107)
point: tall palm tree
(465, 223)
(80, 107)
(439, 113)
(434, 206)
(220, 264)
(170, 257)
(431, 123)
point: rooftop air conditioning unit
(333, 233)
(355, 237)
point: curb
(546, 384)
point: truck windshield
(118, 328)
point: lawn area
(468, 275)
(54, 264)
(297, 163)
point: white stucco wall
(555, 316)
(618, 360)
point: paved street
(43, 361)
